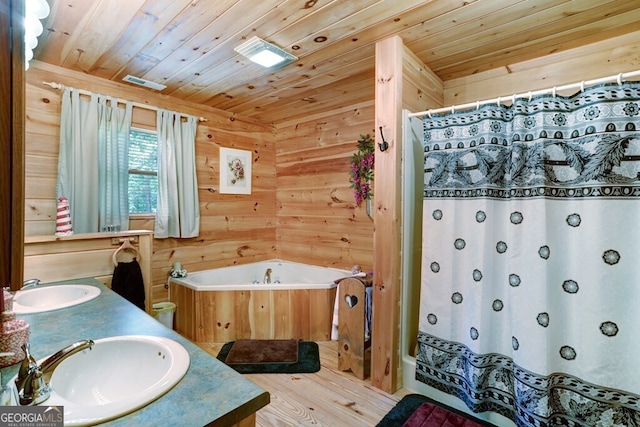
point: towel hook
(384, 145)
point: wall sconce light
(264, 53)
(35, 10)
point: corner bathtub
(224, 304)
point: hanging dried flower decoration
(362, 169)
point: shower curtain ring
(554, 91)
(582, 86)
(384, 145)
(619, 79)
(530, 96)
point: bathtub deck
(223, 316)
(326, 398)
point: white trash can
(163, 312)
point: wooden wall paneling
(300, 314)
(261, 314)
(282, 320)
(205, 316)
(224, 319)
(507, 38)
(317, 220)
(185, 322)
(320, 129)
(321, 304)
(421, 87)
(347, 93)
(234, 228)
(243, 318)
(385, 342)
(601, 59)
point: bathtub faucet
(267, 276)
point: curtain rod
(121, 101)
(512, 98)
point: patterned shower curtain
(530, 300)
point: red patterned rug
(416, 410)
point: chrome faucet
(31, 283)
(267, 276)
(33, 378)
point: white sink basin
(117, 376)
(54, 297)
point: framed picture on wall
(235, 171)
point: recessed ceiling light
(264, 53)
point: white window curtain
(93, 162)
(178, 211)
(114, 126)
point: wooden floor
(328, 398)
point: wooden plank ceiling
(188, 45)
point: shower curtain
(530, 299)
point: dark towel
(127, 282)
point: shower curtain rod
(581, 85)
(60, 86)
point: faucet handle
(27, 363)
(31, 283)
(30, 383)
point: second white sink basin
(54, 297)
(117, 376)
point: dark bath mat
(262, 361)
(262, 351)
(418, 410)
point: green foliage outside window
(143, 171)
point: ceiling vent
(142, 82)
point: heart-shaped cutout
(351, 300)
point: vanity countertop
(210, 393)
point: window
(143, 171)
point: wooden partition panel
(53, 259)
(385, 339)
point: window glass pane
(143, 153)
(143, 167)
(143, 193)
